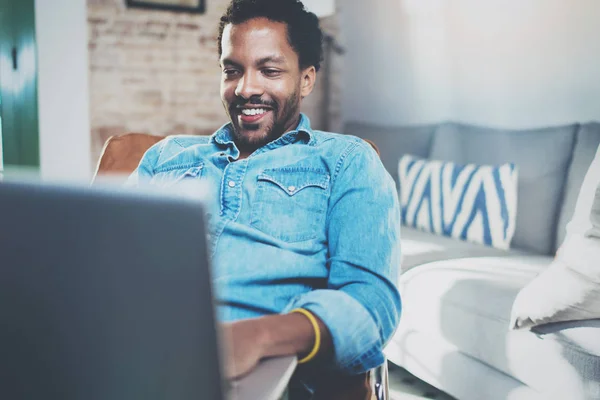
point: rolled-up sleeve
(361, 304)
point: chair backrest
(374, 146)
(122, 154)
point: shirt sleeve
(361, 304)
(145, 170)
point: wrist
(317, 335)
(283, 334)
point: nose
(248, 86)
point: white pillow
(594, 231)
(569, 289)
(580, 223)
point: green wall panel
(18, 83)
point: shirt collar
(224, 135)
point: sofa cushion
(439, 363)
(542, 156)
(588, 141)
(475, 203)
(420, 247)
(393, 142)
(467, 303)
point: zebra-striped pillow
(477, 203)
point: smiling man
(305, 225)
(264, 78)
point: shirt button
(292, 188)
(231, 184)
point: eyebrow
(262, 61)
(271, 59)
(228, 61)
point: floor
(404, 386)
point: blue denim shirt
(309, 220)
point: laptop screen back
(104, 295)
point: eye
(230, 72)
(270, 72)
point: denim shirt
(309, 220)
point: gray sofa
(457, 296)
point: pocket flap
(193, 172)
(293, 181)
(171, 176)
(191, 169)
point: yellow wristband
(315, 325)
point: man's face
(261, 81)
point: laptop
(106, 294)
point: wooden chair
(121, 156)
(372, 385)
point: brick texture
(157, 72)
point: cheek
(227, 90)
(283, 92)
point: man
(304, 231)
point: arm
(359, 310)
(361, 304)
(275, 335)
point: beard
(283, 118)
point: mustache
(255, 100)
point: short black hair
(304, 33)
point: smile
(253, 111)
(252, 115)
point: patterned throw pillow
(469, 202)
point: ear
(309, 76)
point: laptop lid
(104, 294)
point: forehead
(256, 39)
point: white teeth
(253, 111)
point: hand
(244, 346)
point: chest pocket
(172, 176)
(291, 204)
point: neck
(293, 125)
